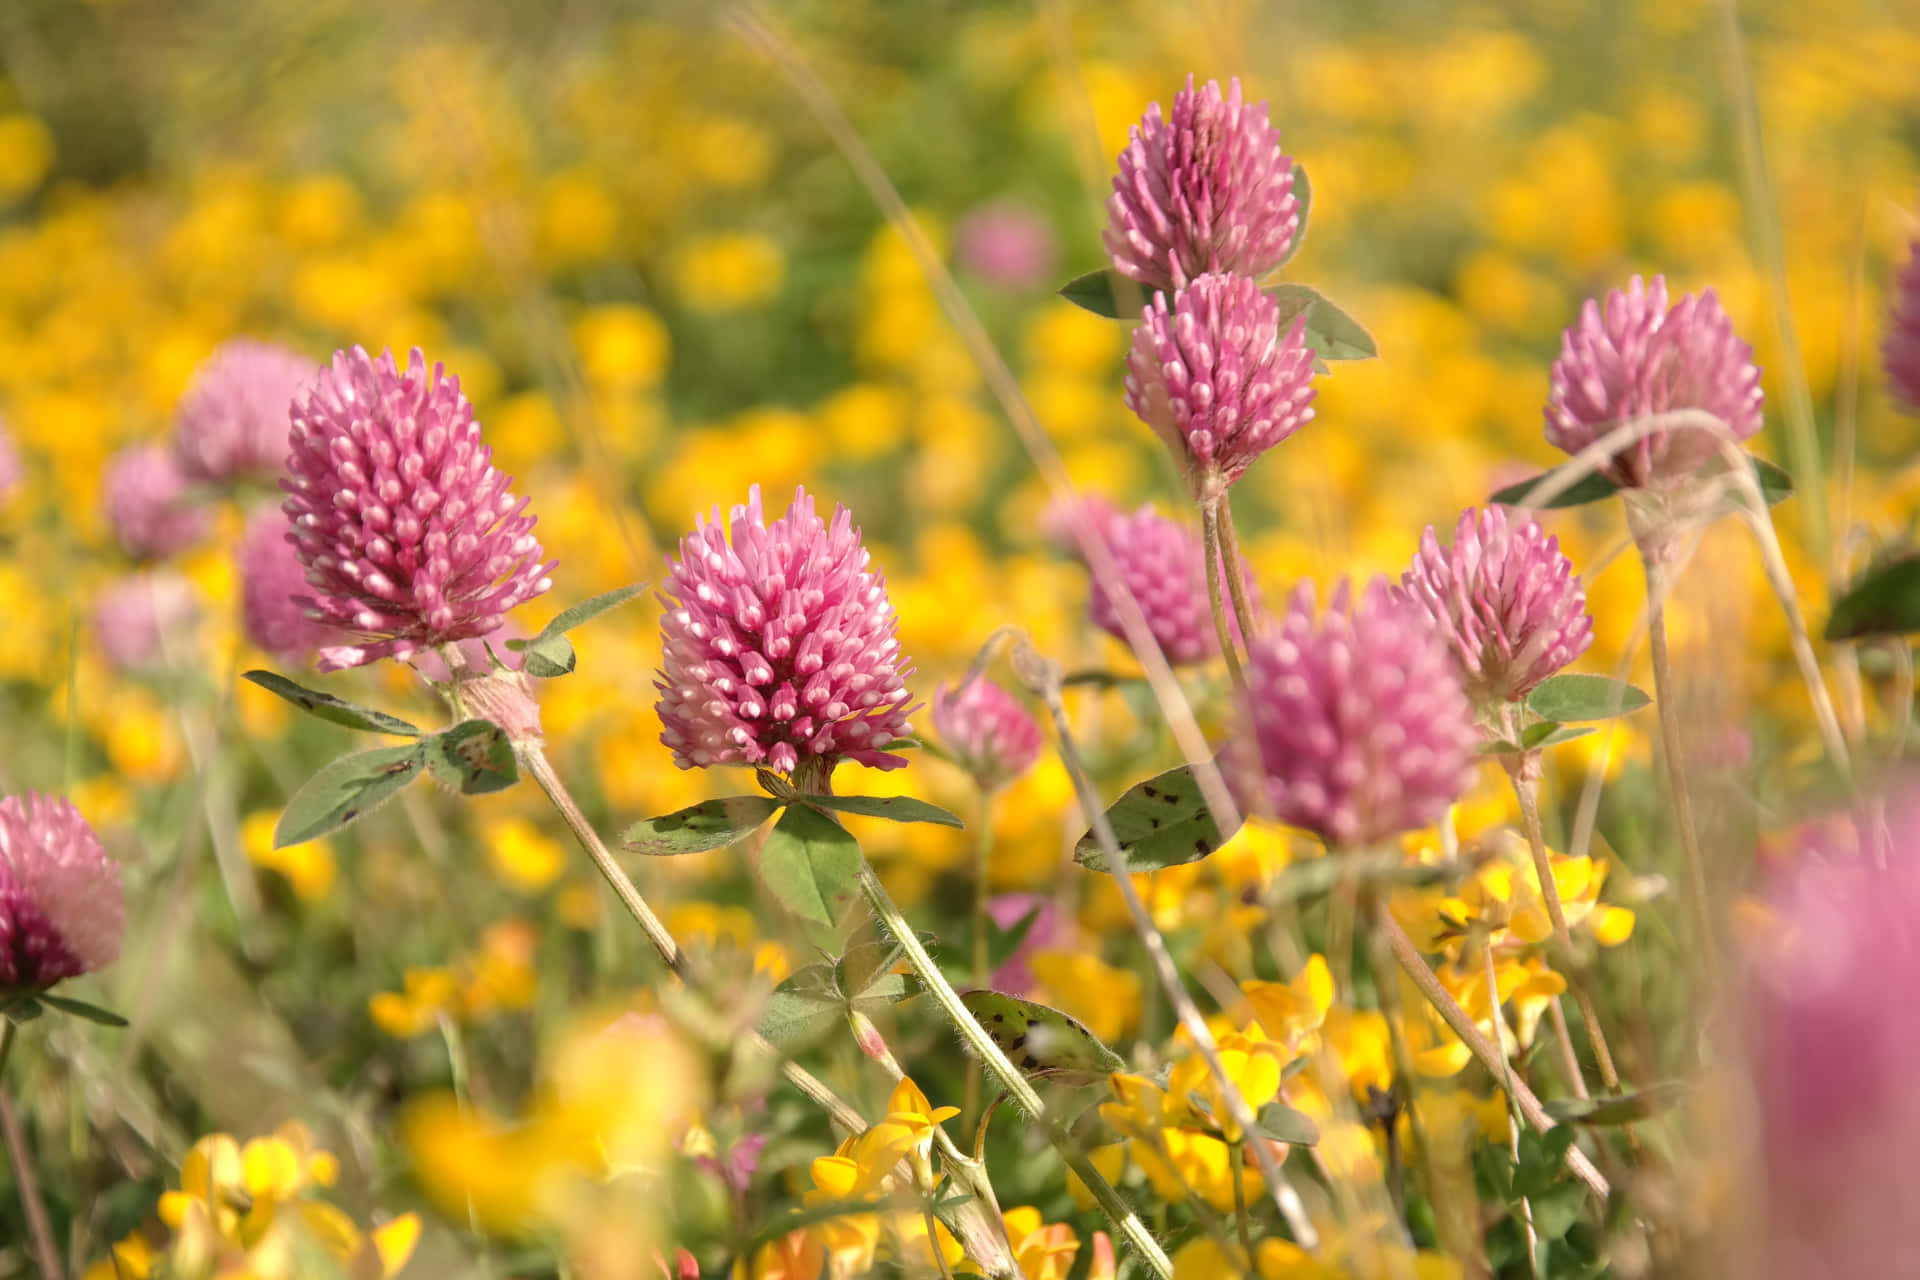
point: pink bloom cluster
(1900, 349)
(1506, 601)
(779, 645)
(1362, 728)
(271, 582)
(409, 535)
(62, 910)
(1639, 357)
(1215, 378)
(150, 505)
(232, 422)
(1162, 563)
(987, 730)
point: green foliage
(1162, 822)
(810, 864)
(1331, 333)
(473, 757)
(1576, 696)
(711, 824)
(327, 707)
(346, 791)
(892, 808)
(550, 654)
(1883, 601)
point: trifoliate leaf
(1162, 822)
(549, 657)
(802, 1009)
(810, 863)
(328, 707)
(711, 824)
(587, 610)
(1576, 696)
(346, 791)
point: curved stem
(982, 857)
(1210, 544)
(1414, 965)
(1008, 1076)
(39, 1228)
(1506, 1079)
(1524, 775)
(1231, 565)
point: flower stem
(1707, 938)
(1211, 553)
(1285, 1198)
(39, 1228)
(1513, 1120)
(1525, 776)
(1414, 965)
(1008, 1076)
(1230, 564)
(1236, 1156)
(982, 856)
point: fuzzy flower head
(146, 622)
(1900, 349)
(272, 583)
(987, 730)
(409, 535)
(61, 908)
(1207, 190)
(232, 422)
(1358, 716)
(1215, 378)
(1506, 601)
(779, 645)
(1640, 357)
(149, 503)
(1163, 564)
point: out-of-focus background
(660, 283)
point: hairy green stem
(982, 857)
(1231, 565)
(1210, 539)
(1008, 1076)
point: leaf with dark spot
(711, 824)
(1162, 822)
(329, 708)
(346, 791)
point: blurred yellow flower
(729, 272)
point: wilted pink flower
(1900, 348)
(1833, 1046)
(779, 646)
(1163, 564)
(1641, 358)
(1006, 244)
(232, 422)
(61, 907)
(1208, 190)
(988, 731)
(12, 470)
(149, 505)
(410, 537)
(1505, 600)
(1362, 728)
(145, 621)
(1216, 379)
(272, 583)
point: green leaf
(1282, 1123)
(1592, 487)
(1042, 1041)
(1331, 332)
(1574, 696)
(347, 790)
(892, 808)
(810, 863)
(1161, 822)
(549, 657)
(587, 610)
(81, 1009)
(1624, 1109)
(474, 757)
(24, 1009)
(1303, 193)
(328, 707)
(802, 1009)
(1101, 292)
(1884, 601)
(1549, 733)
(1776, 486)
(711, 824)
(1557, 1208)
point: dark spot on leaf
(1154, 823)
(349, 816)
(1202, 847)
(1149, 792)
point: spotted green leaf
(327, 707)
(801, 1009)
(474, 757)
(711, 824)
(346, 791)
(1161, 822)
(1042, 1041)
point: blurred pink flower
(1641, 358)
(1506, 601)
(13, 471)
(1162, 563)
(232, 422)
(1900, 348)
(1207, 190)
(410, 536)
(62, 910)
(1360, 723)
(145, 621)
(988, 731)
(272, 583)
(1215, 378)
(779, 645)
(149, 503)
(1006, 244)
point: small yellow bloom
(729, 272)
(526, 858)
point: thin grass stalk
(39, 1226)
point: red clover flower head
(1361, 725)
(1505, 600)
(145, 621)
(1163, 564)
(1207, 190)
(1900, 349)
(987, 730)
(779, 645)
(232, 422)
(62, 911)
(149, 503)
(272, 582)
(1640, 357)
(411, 538)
